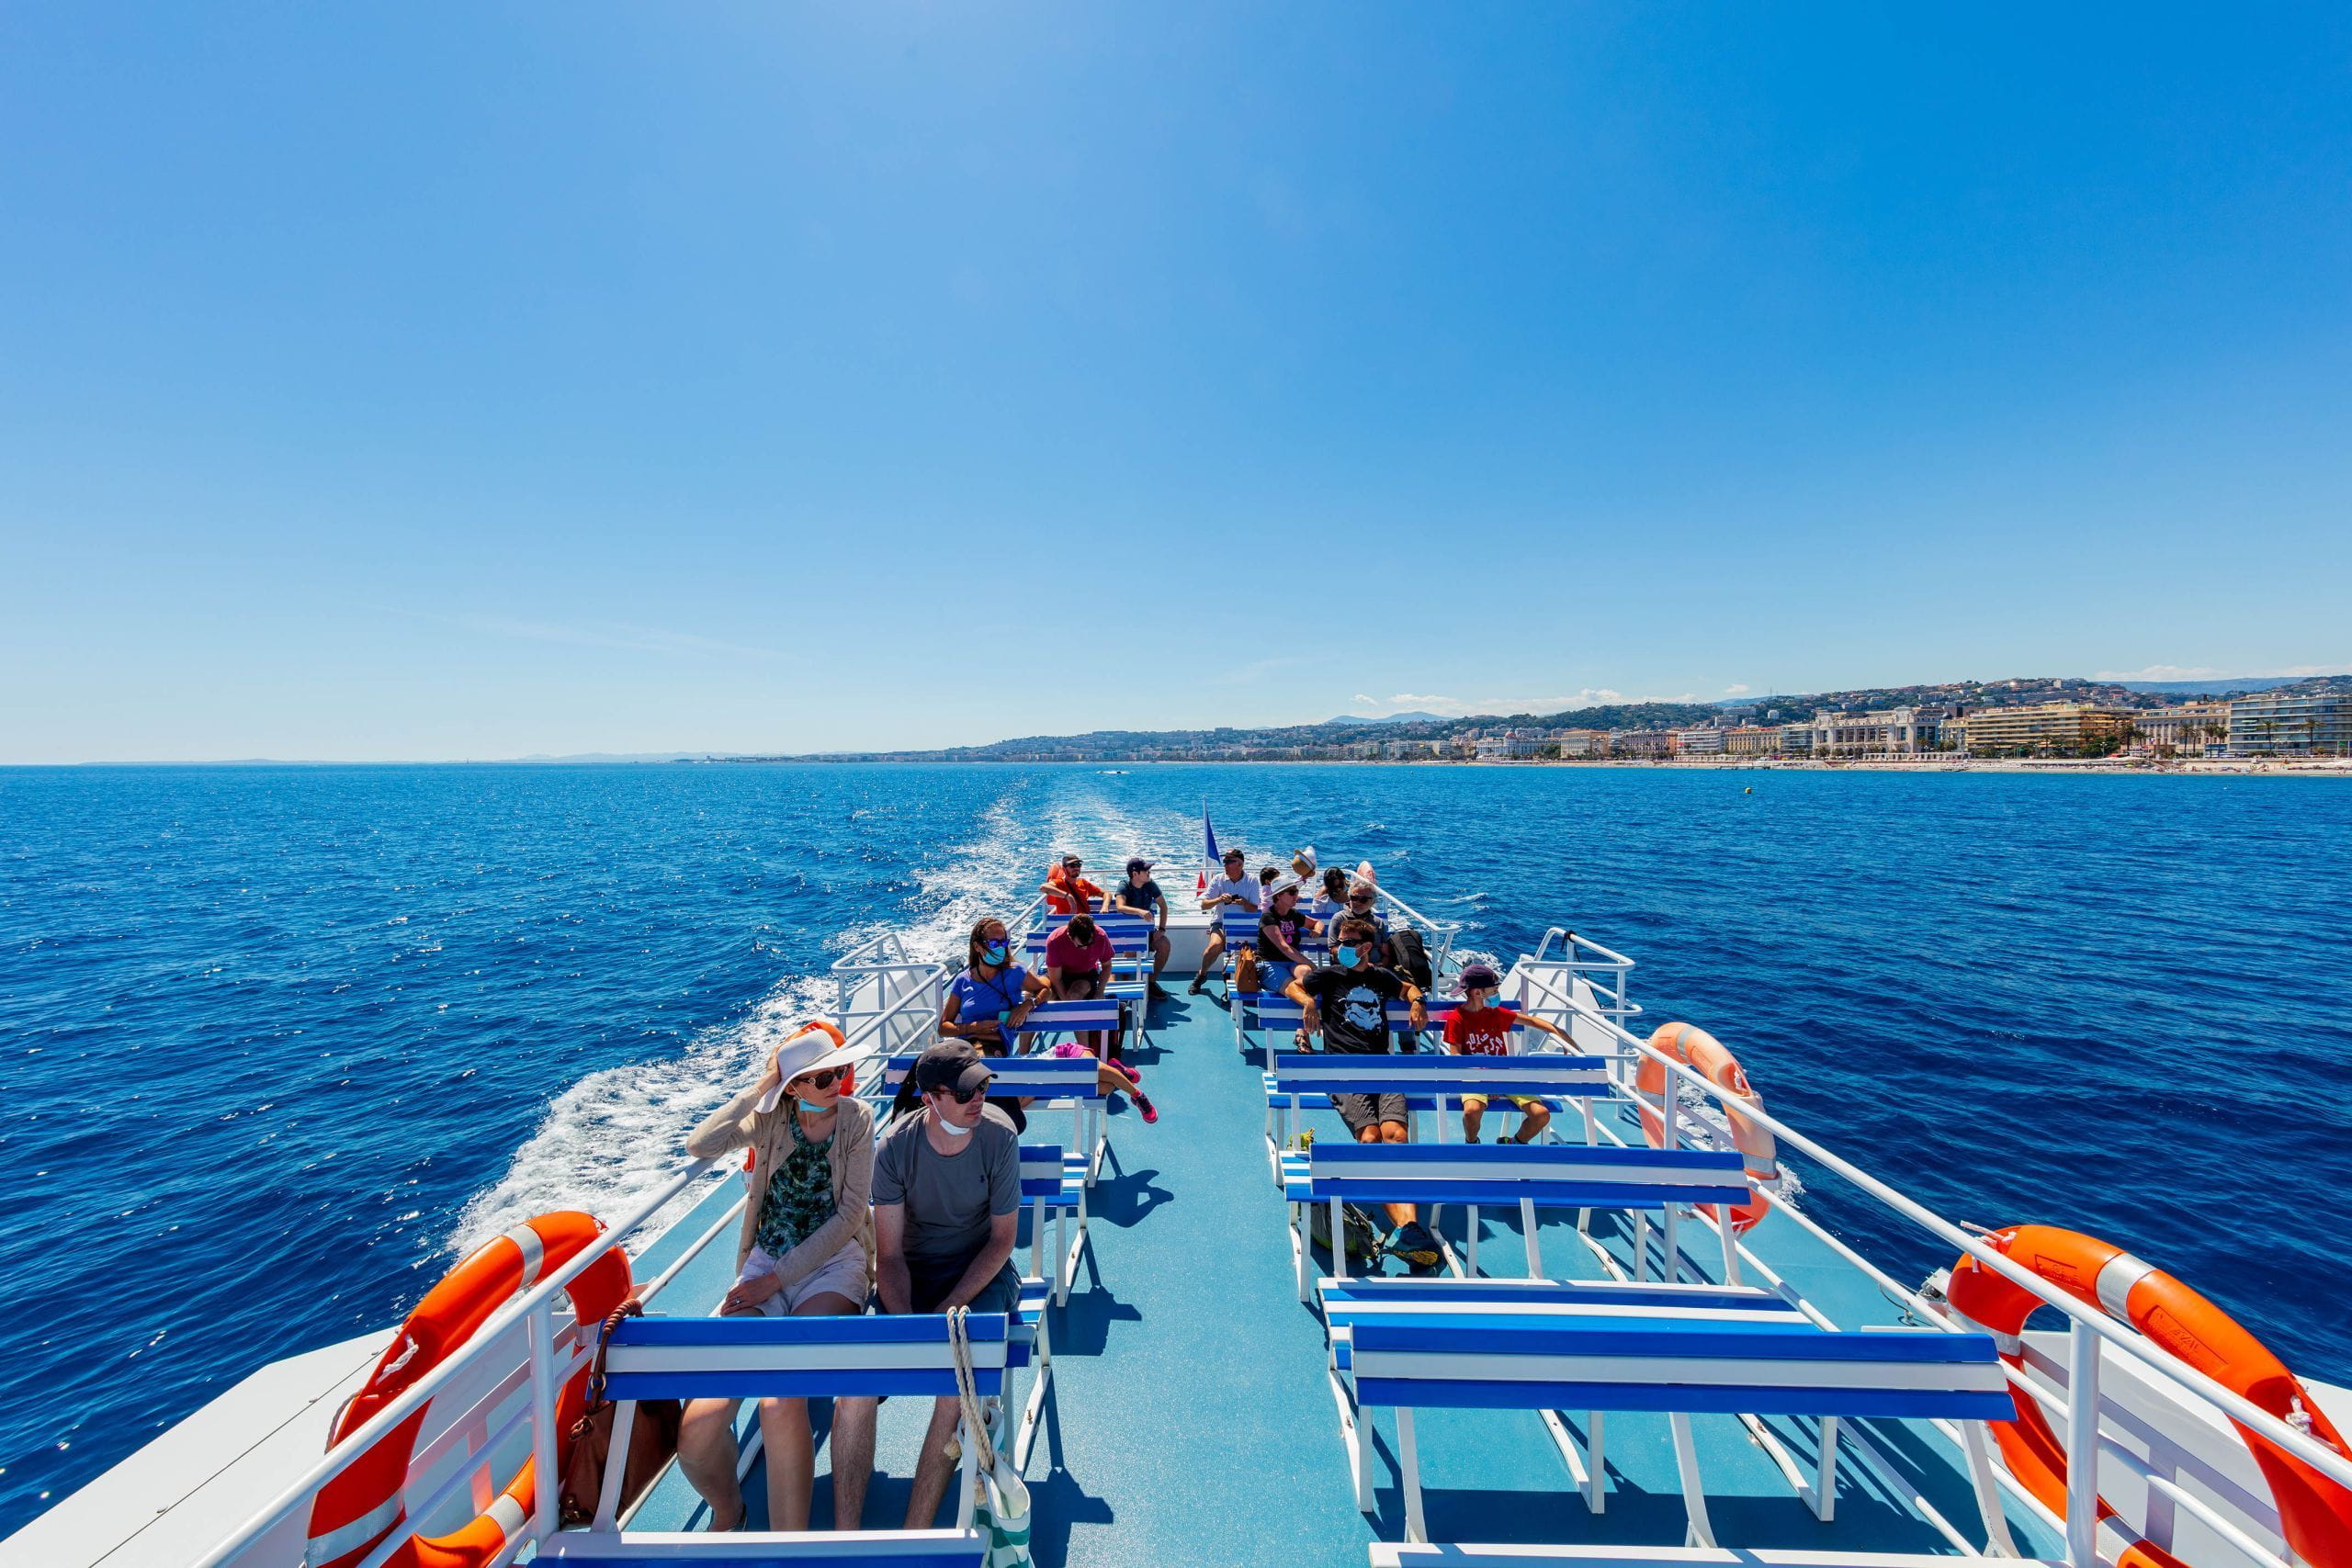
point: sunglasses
(1358, 898)
(963, 1095)
(823, 1080)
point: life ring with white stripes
(2314, 1513)
(365, 1502)
(1704, 1055)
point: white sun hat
(813, 1047)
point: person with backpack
(1348, 1001)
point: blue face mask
(811, 1107)
(1350, 954)
(992, 953)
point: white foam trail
(613, 1138)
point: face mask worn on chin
(1349, 954)
(952, 1130)
(811, 1107)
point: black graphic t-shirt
(1355, 1008)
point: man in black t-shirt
(1139, 895)
(1348, 1000)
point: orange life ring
(365, 1501)
(1704, 1055)
(2314, 1513)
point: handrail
(889, 938)
(299, 1494)
(2304, 1447)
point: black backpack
(1409, 957)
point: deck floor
(1192, 1421)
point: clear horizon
(439, 383)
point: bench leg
(1641, 1246)
(1731, 1245)
(1032, 1412)
(1997, 1540)
(1409, 1464)
(1470, 1222)
(1299, 1240)
(1694, 1494)
(1824, 1488)
(1595, 1493)
(608, 1497)
(1534, 1242)
(1359, 1457)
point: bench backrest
(1123, 941)
(1424, 1072)
(1526, 1361)
(1272, 1010)
(1055, 1077)
(1570, 1176)
(1347, 1302)
(1042, 1171)
(794, 1357)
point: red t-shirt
(1079, 901)
(1481, 1035)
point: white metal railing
(877, 980)
(558, 1347)
(2091, 1332)
(1604, 971)
(1444, 930)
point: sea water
(283, 1043)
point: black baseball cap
(1479, 976)
(950, 1065)
(1138, 864)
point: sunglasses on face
(824, 1080)
(1358, 898)
(962, 1096)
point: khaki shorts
(1478, 1101)
(844, 1274)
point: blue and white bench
(1692, 1362)
(1278, 1018)
(1240, 927)
(1305, 1081)
(1059, 1082)
(792, 1357)
(1053, 1189)
(1408, 1554)
(1528, 1177)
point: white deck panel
(189, 1489)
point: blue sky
(483, 380)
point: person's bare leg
(933, 1467)
(1399, 1213)
(1531, 1124)
(791, 1461)
(852, 1446)
(1473, 1118)
(1159, 951)
(1210, 953)
(706, 1452)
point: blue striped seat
(1278, 1017)
(756, 1549)
(1053, 1186)
(1641, 1359)
(1385, 1554)
(1528, 1177)
(1062, 1082)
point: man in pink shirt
(1078, 968)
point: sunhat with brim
(810, 1051)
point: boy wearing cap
(946, 1205)
(1235, 889)
(805, 1250)
(1481, 1027)
(1139, 895)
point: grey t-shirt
(948, 1198)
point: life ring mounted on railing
(1704, 1055)
(365, 1501)
(2314, 1512)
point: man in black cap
(946, 1205)
(1139, 895)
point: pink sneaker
(1150, 1111)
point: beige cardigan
(738, 1124)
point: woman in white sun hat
(805, 1250)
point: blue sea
(283, 1041)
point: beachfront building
(2063, 730)
(1707, 740)
(1512, 745)
(2186, 729)
(1886, 732)
(1584, 743)
(1752, 740)
(1641, 742)
(1796, 739)
(2269, 726)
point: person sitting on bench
(1281, 930)
(1483, 1028)
(1234, 890)
(1348, 1000)
(947, 1210)
(1067, 892)
(1078, 968)
(1139, 895)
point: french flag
(1208, 853)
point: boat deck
(1192, 1421)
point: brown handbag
(653, 1438)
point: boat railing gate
(1603, 970)
(2091, 1334)
(877, 980)
(558, 1350)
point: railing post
(546, 1486)
(2083, 1346)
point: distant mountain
(2220, 683)
(1415, 717)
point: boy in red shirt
(1482, 1028)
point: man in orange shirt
(1067, 893)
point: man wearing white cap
(805, 1250)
